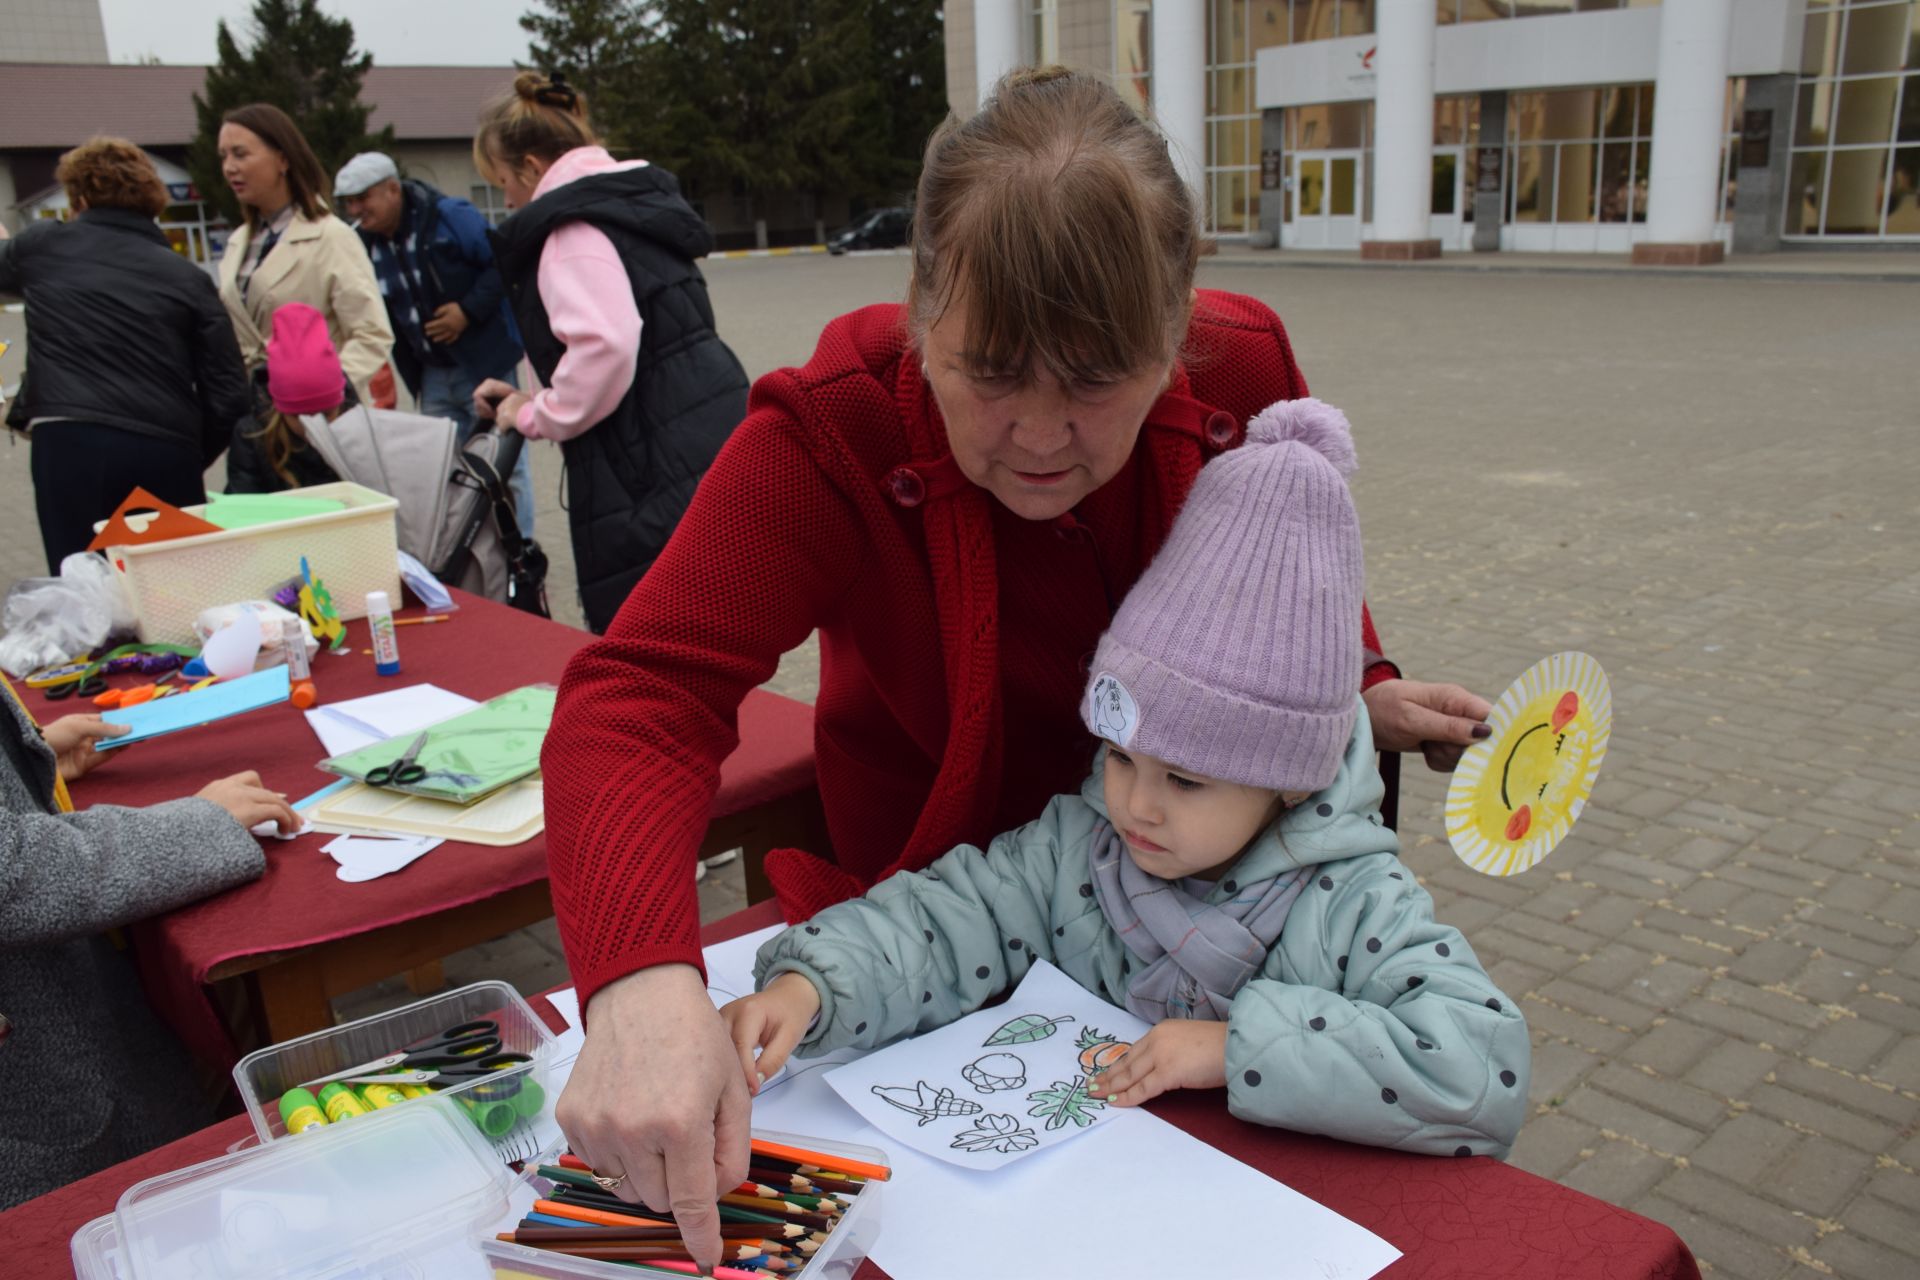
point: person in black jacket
(600, 267)
(133, 373)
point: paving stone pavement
(1709, 484)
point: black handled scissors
(87, 686)
(459, 1046)
(403, 772)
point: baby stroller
(456, 511)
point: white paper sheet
(361, 722)
(370, 857)
(1001, 1084)
(1037, 1216)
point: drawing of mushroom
(994, 1072)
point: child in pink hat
(1224, 873)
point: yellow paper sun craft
(1517, 794)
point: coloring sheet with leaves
(999, 1084)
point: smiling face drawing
(1518, 794)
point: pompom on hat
(303, 369)
(1238, 654)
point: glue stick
(381, 1096)
(341, 1102)
(416, 1091)
(293, 643)
(493, 1118)
(386, 647)
(530, 1101)
(300, 1111)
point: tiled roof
(46, 104)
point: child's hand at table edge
(772, 1021)
(249, 801)
(1176, 1054)
(72, 739)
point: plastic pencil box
(846, 1247)
(399, 1193)
(263, 1075)
(352, 552)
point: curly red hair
(112, 173)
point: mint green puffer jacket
(1369, 1021)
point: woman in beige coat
(292, 249)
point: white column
(1403, 120)
(998, 46)
(1689, 109)
(1178, 70)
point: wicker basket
(352, 552)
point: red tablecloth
(1473, 1218)
(487, 649)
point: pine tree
(596, 45)
(300, 61)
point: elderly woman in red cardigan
(956, 494)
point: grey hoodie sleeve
(1373, 1023)
(68, 875)
(925, 948)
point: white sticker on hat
(1115, 715)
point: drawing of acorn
(994, 1072)
(1098, 1051)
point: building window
(1855, 167)
(489, 200)
(1233, 125)
(1046, 33)
(1132, 46)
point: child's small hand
(772, 1022)
(72, 739)
(1177, 1054)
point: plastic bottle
(386, 646)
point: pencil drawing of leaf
(925, 1101)
(1025, 1029)
(1065, 1101)
(1000, 1133)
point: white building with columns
(1674, 130)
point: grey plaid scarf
(1198, 953)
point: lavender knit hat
(1237, 655)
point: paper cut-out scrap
(1067, 1101)
(925, 1101)
(1099, 1051)
(1025, 1029)
(166, 523)
(1000, 1133)
(995, 1072)
(1517, 794)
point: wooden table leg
(293, 996)
(427, 979)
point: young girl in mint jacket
(1224, 873)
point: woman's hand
(1176, 1054)
(489, 395)
(766, 1025)
(72, 739)
(250, 802)
(657, 1100)
(1438, 720)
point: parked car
(876, 229)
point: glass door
(1446, 214)
(1326, 200)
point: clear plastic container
(265, 1074)
(846, 1248)
(398, 1194)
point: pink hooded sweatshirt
(583, 285)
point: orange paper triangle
(168, 522)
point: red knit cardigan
(954, 635)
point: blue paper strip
(186, 710)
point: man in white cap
(445, 298)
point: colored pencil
(548, 1220)
(689, 1269)
(764, 1204)
(599, 1217)
(570, 1161)
(581, 1231)
(613, 1250)
(826, 1163)
(803, 1183)
(808, 1167)
(423, 618)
